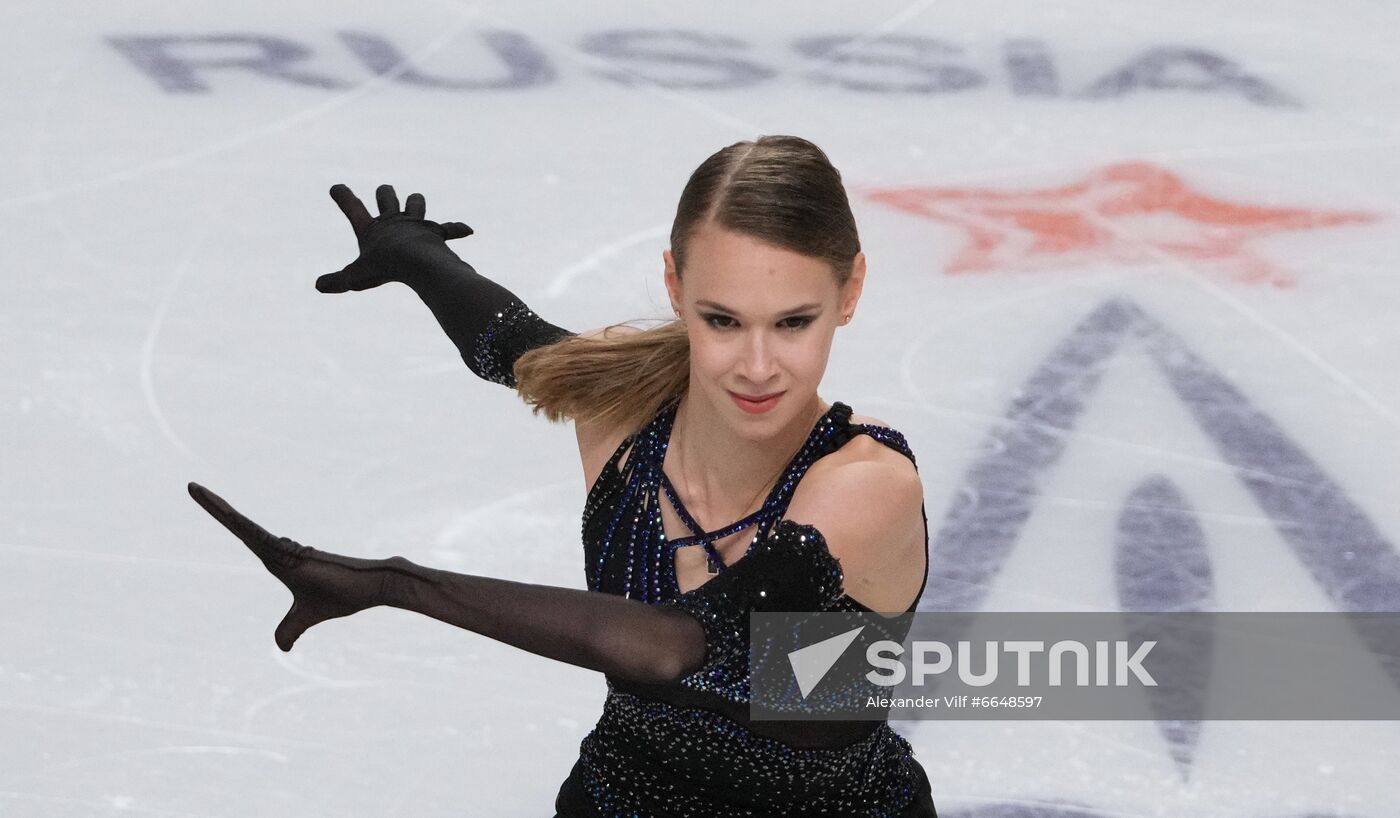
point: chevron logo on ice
(811, 663)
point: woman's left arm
(792, 570)
(622, 637)
(871, 513)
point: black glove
(700, 635)
(324, 586)
(490, 326)
(621, 637)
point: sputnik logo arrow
(811, 663)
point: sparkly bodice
(688, 748)
(626, 548)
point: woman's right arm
(490, 326)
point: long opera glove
(791, 570)
(622, 637)
(490, 326)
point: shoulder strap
(890, 437)
(833, 436)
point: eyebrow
(716, 306)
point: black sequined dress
(688, 748)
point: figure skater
(710, 418)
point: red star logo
(1129, 212)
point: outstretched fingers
(275, 553)
(416, 207)
(332, 282)
(258, 539)
(388, 200)
(352, 207)
(454, 230)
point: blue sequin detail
(650, 757)
(510, 332)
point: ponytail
(619, 379)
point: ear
(673, 280)
(850, 293)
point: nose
(757, 364)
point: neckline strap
(681, 511)
(704, 537)
(819, 441)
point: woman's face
(761, 320)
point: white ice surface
(159, 325)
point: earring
(847, 319)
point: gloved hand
(324, 586)
(489, 325)
(394, 246)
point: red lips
(756, 406)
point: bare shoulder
(864, 469)
(866, 499)
(598, 441)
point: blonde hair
(779, 189)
